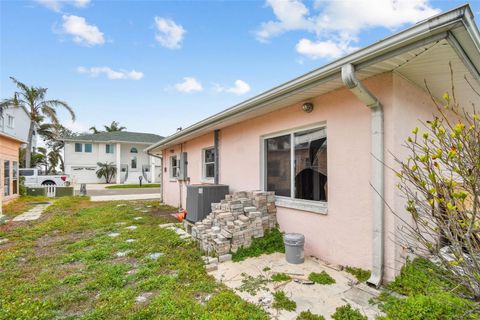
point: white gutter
(377, 178)
(390, 45)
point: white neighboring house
(122, 148)
(16, 122)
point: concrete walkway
(119, 197)
(319, 299)
(32, 214)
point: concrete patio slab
(319, 299)
(32, 214)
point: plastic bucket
(294, 248)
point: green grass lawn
(66, 266)
(134, 186)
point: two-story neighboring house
(122, 148)
(16, 122)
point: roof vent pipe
(377, 178)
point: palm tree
(107, 171)
(33, 99)
(94, 129)
(114, 126)
(52, 134)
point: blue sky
(156, 65)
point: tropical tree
(107, 170)
(52, 135)
(94, 129)
(113, 127)
(39, 108)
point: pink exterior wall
(343, 235)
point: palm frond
(50, 112)
(55, 103)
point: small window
(208, 160)
(173, 167)
(88, 147)
(6, 178)
(134, 162)
(109, 148)
(14, 177)
(133, 150)
(10, 121)
(78, 147)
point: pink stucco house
(319, 140)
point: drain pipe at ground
(377, 178)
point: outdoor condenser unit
(200, 198)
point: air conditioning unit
(200, 198)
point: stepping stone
(149, 206)
(145, 211)
(131, 227)
(113, 234)
(166, 225)
(138, 218)
(3, 240)
(130, 240)
(155, 255)
(143, 297)
(122, 253)
(121, 205)
(121, 223)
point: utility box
(200, 198)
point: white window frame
(75, 147)
(171, 166)
(204, 166)
(10, 121)
(85, 149)
(314, 206)
(109, 147)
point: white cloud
(240, 87)
(57, 5)
(169, 34)
(323, 49)
(82, 32)
(111, 74)
(336, 24)
(189, 85)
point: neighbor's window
(26, 173)
(173, 167)
(88, 147)
(133, 162)
(109, 148)
(10, 121)
(14, 177)
(308, 150)
(208, 160)
(78, 147)
(133, 150)
(6, 178)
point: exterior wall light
(307, 107)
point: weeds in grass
(252, 284)
(308, 315)
(271, 242)
(64, 266)
(360, 274)
(281, 301)
(321, 278)
(279, 277)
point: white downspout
(377, 178)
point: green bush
(271, 242)
(321, 278)
(429, 307)
(360, 274)
(346, 312)
(281, 301)
(22, 190)
(421, 276)
(279, 277)
(307, 315)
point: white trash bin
(294, 248)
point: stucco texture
(343, 235)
